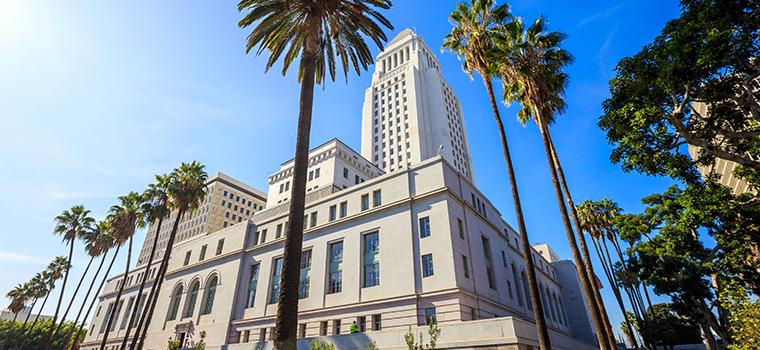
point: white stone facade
(426, 210)
(410, 112)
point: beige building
(229, 202)
(405, 248)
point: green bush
(34, 339)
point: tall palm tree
(70, 224)
(105, 243)
(55, 271)
(39, 289)
(186, 190)
(126, 217)
(316, 32)
(472, 38)
(591, 219)
(589, 266)
(19, 296)
(97, 243)
(155, 209)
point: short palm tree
(70, 224)
(186, 190)
(315, 32)
(125, 218)
(96, 245)
(103, 243)
(155, 209)
(472, 39)
(39, 289)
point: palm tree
(19, 296)
(97, 243)
(55, 271)
(317, 31)
(592, 221)
(105, 242)
(70, 224)
(531, 63)
(155, 208)
(186, 190)
(39, 289)
(597, 295)
(125, 218)
(472, 38)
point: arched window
(208, 304)
(192, 298)
(528, 296)
(174, 303)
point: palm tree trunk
(49, 341)
(86, 297)
(26, 319)
(37, 317)
(118, 295)
(139, 293)
(287, 308)
(607, 261)
(76, 290)
(15, 316)
(160, 278)
(538, 311)
(579, 264)
(597, 296)
(95, 298)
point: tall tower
(410, 112)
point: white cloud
(15, 258)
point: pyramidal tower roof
(404, 33)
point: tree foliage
(696, 84)
(34, 338)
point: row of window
(202, 255)
(324, 328)
(237, 198)
(192, 299)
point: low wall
(505, 333)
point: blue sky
(96, 97)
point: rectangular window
(278, 231)
(263, 236)
(336, 268)
(489, 261)
(313, 221)
(316, 173)
(274, 289)
(333, 212)
(427, 265)
(365, 202)
(336, 327)
(504, 258)
(376, 198)
(263, 334)
(187, 258)
(424, 227)
(430, 317)
(323, 328)
(461, 228)
(311, 175)
(362, 322)
(345, 172)
(302, 328)
(377, 323)
(219, 246)
(466, 267)
(127, 314)
(371, 259)
(246, 336)
(303, 286)
(343, 209)
(252, 282)
(203, 253)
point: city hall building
(395, 237)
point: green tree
(186, 190)
(36, 336)
(695, 84)
(155, 209)
(472, 37)
(316, 32)
(70, 224)
(49, 276)
(744, 316)
(665, 327)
